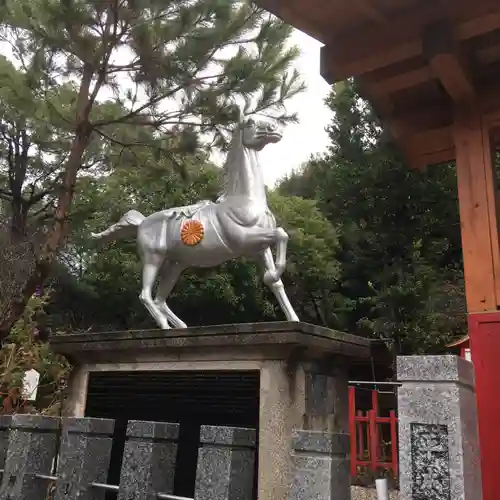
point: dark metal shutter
(190, 398)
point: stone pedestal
(149, 457)
(321, 466)
(84, 458)
(225, 464)
(32, 444)
(303, 376)
(5, 422)
(438, 434)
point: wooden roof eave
(459, 342)
(423, 47)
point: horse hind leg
(170, 273)
(152, 263)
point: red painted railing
(367, 446)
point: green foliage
(33, 145)
(399, 230)
(23, 352)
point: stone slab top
(89, 426)
(158, 431)
(235, 336)
(228, 436)
(447, 368)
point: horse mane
(225, 168)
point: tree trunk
(18, 220)
(56, 236)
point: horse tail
(126, 227)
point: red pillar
(481, 252)
(484, 331)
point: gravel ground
(358, 493)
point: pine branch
(6, 195)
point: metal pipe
(46, 477)
(167, 496)
(382, 486)
(103, 486)
(371, 382)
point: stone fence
(30, 446)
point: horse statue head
(257, 132)
(242, 169)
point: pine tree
(174, 66)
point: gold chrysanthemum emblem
(192, 232)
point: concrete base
(303, 376)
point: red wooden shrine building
(431, 69)
(462, 348)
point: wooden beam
(382, 82)
(338, 68)
(383, 107)
(435, 116)
(370, 11)
(296, 16)
(445, 61)
(369, 49)
(453, 76)
(438, 114)
(427, 135)
(390, 85)
(431, 142)
(422, 135)
(439, 157)
(478, 211)
(434, 147)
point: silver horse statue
(238, 224)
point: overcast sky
(299, 140)
(308, 136)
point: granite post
(321, 466)
(226, 463)
(438, 435)
(148, 460)
(31, 451)
(5, 422)
(84, 458)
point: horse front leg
(273, 273)
(277, 286)
(250, 238)
(281, 248)
(170, 273)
